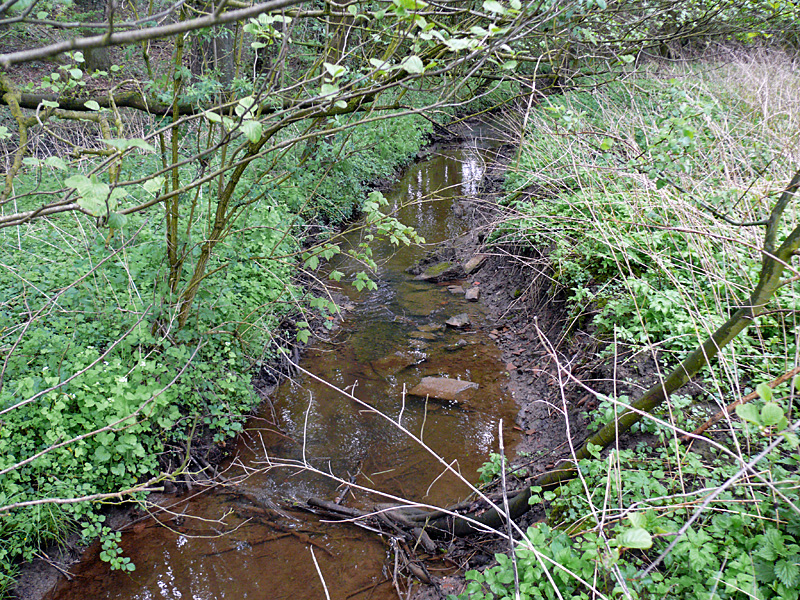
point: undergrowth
(649, 196)
(98, 384)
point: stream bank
(511, 303)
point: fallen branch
(728, 410)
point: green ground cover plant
(106, 382)
(649, 195)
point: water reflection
(234, 543)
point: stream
(245, 540)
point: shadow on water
(241, 541)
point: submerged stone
(394, 363)
(422, 335)
(472, 294)
(443, 388)
(459, 321)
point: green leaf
(336, 275)
(771, 414)
(335, 71)
(75, 73)
(50, 104)
(312, 262)
(749, 413)
(509, 65)
(117, 221)
(56, 162)
(101, 454)
(153, 185)
(412, 64)
(257, 45)
(329, 89)
(635, 537)
(380, 64)
(764, 392)
(494, 7)
(212, 116)
(31, 161)
(788, 572)
(637, 519)
(245, 107)
(627, 58)
(125, 144)
(340, 104)
(252, 129)
(456, 44)
(91, 105)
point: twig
(319, 572)
(511, 551)
(725, 412)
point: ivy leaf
(252, 129)
(635, 537)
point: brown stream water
(245, 541)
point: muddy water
(245, 540)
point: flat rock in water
(441, 271)
(455, 289)
(459, 321)
(472, 294)
(442, 388)
(394, 363)
(422, 335)
(475, 263)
